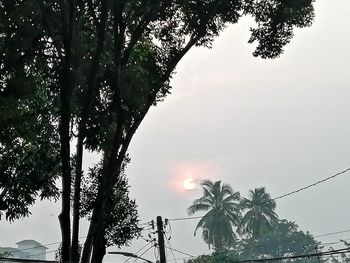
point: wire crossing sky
(247, 122)
(281, 196)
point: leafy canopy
(121, 221)
(101, 65)
(125, 54)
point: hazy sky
(249, 122)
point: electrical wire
(279, 242)
(138, 251)
(335, 242)
(146, 223)
(282, 242)
(276, 198)
(181, 252)
(333, 233)
(312, 185)
(139, 257)
(198, 217)
(44, 245)
(168, 241)
(318, 254)
(156, 252)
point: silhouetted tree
(121, 220)
(222, 216)
(106, 63)
(284, 239)
(260, 215)
(216, 257)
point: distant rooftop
(30, 242)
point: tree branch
(49, 28)
(140, 28)
(91, 83)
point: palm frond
(207, 183)
(233, 197)
(207, 194)
(205, 220)
(226, 188)
(197, 208)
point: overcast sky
(281, 123)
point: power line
(318, 254)
(42, 253)
(186, 218)
(168, 241)
(276, 198)
(312, 185)
(44, 245)
(139, 257)
(184, 253)
(138, 251)
(275, 242)
(335, 242)
(333, 233)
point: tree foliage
(121, 221)
(222, 217)
(284, 239)
(216, 257)
(28, 114)
(101, 65)
(28, 152)
(343, 257)
(258, 234)
(260, 215)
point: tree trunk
(64, 217)
(96, 228)
(95, 236)
(66, 89)
(99, 246)
(91, 83)
(76, 199)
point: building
(27, 249)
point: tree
(344, 257)
(216, 257)
(121, 221)
(28, 151)
(106, 63)
(223, 214)
(284, 239)
(28, 115)
(260, 215)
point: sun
(189, 183)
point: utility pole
(160, 232)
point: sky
(248, 122)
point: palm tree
(260, 213)
(223, 214)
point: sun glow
(189, 184)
